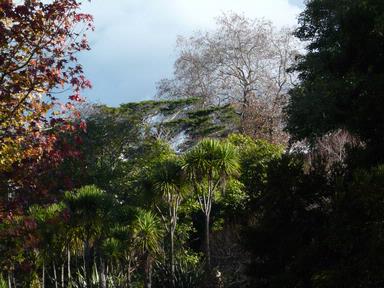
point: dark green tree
(289, 218)
(342, 73)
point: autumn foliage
(40, 86)
(38, 44)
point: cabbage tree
(209, 165)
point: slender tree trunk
(172, 228)
(55, 274)
(148, 272)
(207, 245)
(95, 264)
(87, 263)
(172, 256)
(244, 112)
(14, 280)
(209, 276)
(69, 267)
(103, 279)
(9, 280)
(129, 275)
(43, 278)
(84, 264)
(62, 275)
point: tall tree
(242, 62)
(147, 236)
(209, 165)
(341, 75)
(91, 210)
(169, 182)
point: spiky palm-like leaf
(147, 232)
(211, 159)
(90, 209)
(168, 177)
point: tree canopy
(341, 74)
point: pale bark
(172, 248)
(62, 275)
(55, 275)
(69, 265)
(103, 279)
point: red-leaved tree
(39, 41)
(38, 46)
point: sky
(133, 45)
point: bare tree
(243, 62)
(333, 146)
(327, 150)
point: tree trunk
(129, 275)
(55, 274)
(14, 280)
(103, 279)
(9, 280)
(207, 246)
(95, 264)
(62, 274)
(148, 272)
(69, 267)
(244, 112)
(87, 263)
(43, 278)
(172, 256)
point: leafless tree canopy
(243, 62)
(333, 146)
(329, 149)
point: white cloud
(133, 44)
